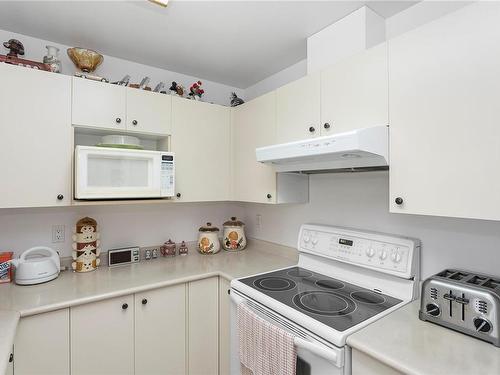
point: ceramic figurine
(183, 249)
(234, 235)
(235, 101)
(176, 89)
(195, 91)
(168, 248)
(208, 239)
(15, 47)
(52, 59)
(86, 243)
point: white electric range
(345, 279)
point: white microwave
(114, 173)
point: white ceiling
(234, 42)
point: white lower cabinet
(41, 345)
(160, 331)
(203, 327)
(102, 337)
(224, 326)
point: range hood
(356, 150)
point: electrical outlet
(150, 252)
(258, 221)
(155, 252)
(147, 254)
(58, 233)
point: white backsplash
(360, 200)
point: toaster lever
(462, 300)
(449, 297)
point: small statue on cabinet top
(15, 47)
(176, 89)
(86, 243)
(235, 101)
(195, 91)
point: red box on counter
(5, 267)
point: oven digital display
(343, 241)
(120, 257)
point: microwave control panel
(167, 175)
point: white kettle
(37, 265)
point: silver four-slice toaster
(464, 301)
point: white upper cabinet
(103, 105)
(98, 104)
(36, 144)
(253, 125)
(148, 112)
(201, 142)
(354, 92)
(444, 116)
(298, 110)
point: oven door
(107, 173)
(313, 356)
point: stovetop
(338, 304)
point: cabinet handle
(60, 197)
(125, 306)
(134, 122)
(326, 125)
(399, 201)
(311, 129)
(118, 120)
(144, 301)
(11, 357)
(269, 196)
(178, 195)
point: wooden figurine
(86, 248)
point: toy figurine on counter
(86, 248)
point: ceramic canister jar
(234, 235)
(208, 239)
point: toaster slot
(446, 273)
(493, 284)
(458, 276)
(477, 280)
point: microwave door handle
(330, 355)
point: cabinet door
(148, 112)
(354, 92)
(298, 110)
(444, 131)
(41, 345)
(203, 342)
(98, 104)
(201, 142)
(102, 337)
(224, 326)
(36, 140)
(160, 331)
(253, 125)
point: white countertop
(71, 289)
(402, 341)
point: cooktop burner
(337, 304)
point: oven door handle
(329, 355)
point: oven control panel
(390, 254)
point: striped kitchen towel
(265, 349)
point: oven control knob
(432, 309)
(382, 255)
(306, 239)
(482, 325)
(370, 252)
(396, 257)
(314, 241)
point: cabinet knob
(118, 120)
(399, 201)
(144, 301)
(269, 196)
(326, 125)
(134, 122)
(311, 129)
(60, 197)
(178, 195)
(125, 306)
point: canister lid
(234, 223)
(208, 228)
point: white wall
(360, 200)
(141, 225)
(114, 69)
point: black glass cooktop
(337, 304)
